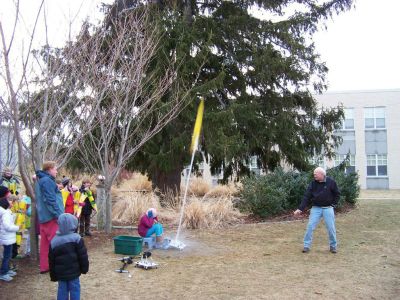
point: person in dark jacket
(68, 258)
(10, 181)
(323, 194)
(49, 207)
(87, 205)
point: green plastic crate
(128, 245)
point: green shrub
(262, 196)
(347, 184)
(280, 191)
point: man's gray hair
(320, 170)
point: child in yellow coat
(71, 197)
(18, 208)
(87, 205)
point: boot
(159, 240)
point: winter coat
(7, 228)
(322, 194)
(75, 197)
(145, 224)
(87, 202)
(68, 257)
(11, 183)
(48, 197)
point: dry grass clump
(130, 208)
(218, 191)
(170, 200)
(214, 213)
(195, 214)
(138, 182)
(198, 187)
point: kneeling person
(149, 225)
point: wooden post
(101, 206)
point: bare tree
(10, 107)
(40, 105)
(128, 99)
(8, 147)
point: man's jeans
(316, 214)
(156, 228)
(6, 259)
(70, 289)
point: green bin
(128, 245)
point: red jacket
(145, 224)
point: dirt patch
(247, 261)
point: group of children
(15, 214)
(78, 202)
(8, 236)
(67, 255)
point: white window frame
(253, 163)
(341, 157)
(376, 159)
(347, 117)
(374, 116)
(318, 161)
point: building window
(351, 165)
(374, 117)
(348, 122)
(318, 161)
(253, 163)
(377, 165)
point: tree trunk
(167, 184)
(15, 121)
(104, 206)
(188, 12)
(101, 206)
(108, 209)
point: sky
(360, 47)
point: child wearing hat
(7, 234)
(87, 205)
(149, 225)
(68, 258)
(10, 181)
(70, 195)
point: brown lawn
(250, 261)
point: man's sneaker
(6, 277)
(332, 250)
(11, 273)
(88, 234)
(306, 250)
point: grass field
(248, 261)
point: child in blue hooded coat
(68, 258)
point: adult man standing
(9, 181)
(49, 207)
(324, 195)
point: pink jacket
(145, 224)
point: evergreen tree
(260, 64)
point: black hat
(4, 192)
(65, 181)
(4, 203)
